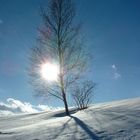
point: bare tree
(59, 42)
(83, 94)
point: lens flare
(50, 71)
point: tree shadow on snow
(6, 133)
(63, 114)
(62, 129)
(80, 123)
(85, 127)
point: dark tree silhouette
(59, 42)
(82, 95)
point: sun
(50, 71)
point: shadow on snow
(74, 131)
(85, 127)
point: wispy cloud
(113, 67)
(12, 106)
(116, 74)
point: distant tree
(59, 42)
(83, 94)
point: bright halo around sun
(50, 71)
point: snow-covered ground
(119, 120)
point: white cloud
(113, 66)
(13, 106)
(116, 74)
(48, 108)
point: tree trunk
(65, 103)
(61, 59)
(64, 96)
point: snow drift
(119, 120)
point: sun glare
(50, 71)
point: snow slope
(119, 120)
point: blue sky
(112, 31)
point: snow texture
(119, 120)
